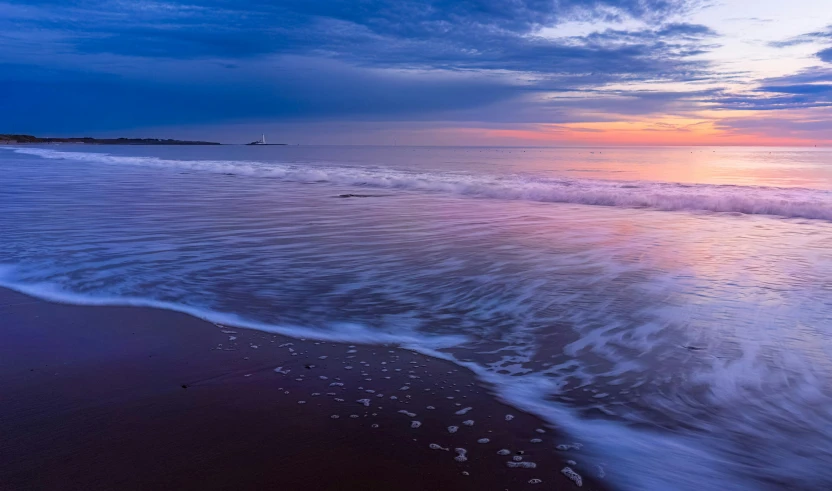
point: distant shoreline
(29, 139)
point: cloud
(211, 94)
(806, 125)
(809, 37)
(95, 65)
(816, 37)
(435, 34)
(771, 103)
(220, 60)
(812, 75)
(809, 88)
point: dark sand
(136, 398)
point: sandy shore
(137, 398)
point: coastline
(102, 397)
(16, 139)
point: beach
(664, 308)
(416, 245)
(141, 398)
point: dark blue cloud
(798, 89)
(825, 55)
(323, 90)
(481, 34)
(165, 62)
(809, 88)
(772, 103)
(814, 75)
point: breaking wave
(663, 196)
(343, 332)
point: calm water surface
(668, 308)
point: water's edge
(609, 447)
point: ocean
(670, 309)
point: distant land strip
(18, 139)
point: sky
(421, 72)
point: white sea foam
(751, 200)
(632, 455)
(342, 332)
(573, 476)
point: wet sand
(138, 398)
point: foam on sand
(621, 447)
(573, 476)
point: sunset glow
(614, 72)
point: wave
(662, 196)
(632, 456)
(338, 332)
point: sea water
(669, 309)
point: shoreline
(103, 397)
(17, 139)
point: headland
(29, 139)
